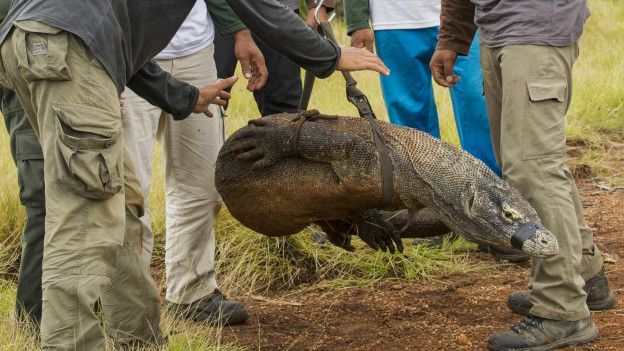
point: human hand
(441, 65)
(356, 59)
(214, 94)
(363, 38)
(322, 16)
(251, 59)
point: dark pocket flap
(547, 90)
(27, 146)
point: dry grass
(250, 264)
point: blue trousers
(408, 91)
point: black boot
(599, 296)
(214, 308)
(539, 334)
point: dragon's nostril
(544, 241)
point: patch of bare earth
(457, 312)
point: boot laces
(528, 323)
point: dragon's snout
(535, 240)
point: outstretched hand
(264, 142)
(360, 59)
(213, 94)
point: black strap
(303, 117)
(306, 94)
(360, 101)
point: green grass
(249, 264)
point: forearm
(284, 31)
(329, 4)
(457, 27)
(357, 14)
(224, 18)
(161, 89)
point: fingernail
(247, 75)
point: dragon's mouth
(535, 240)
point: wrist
(354, 27)
(244, 34)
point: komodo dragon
(278, 175)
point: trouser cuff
(548, 313)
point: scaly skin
(334, 175)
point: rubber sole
(581, 338)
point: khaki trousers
(528, 89)
(190, 150)
(93, 201)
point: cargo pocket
(88, 151)
(544, 123)
(41, 52)
(29, 159)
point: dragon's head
(504, 218)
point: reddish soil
(459, 312)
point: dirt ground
(458, 312)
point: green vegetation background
(251, 265)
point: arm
(160, 89)
(224, 18)
(457, 30)
(457, 27)
(180, 99)
(246, 50)
(357, 13)
(284, 31)
(328, 6)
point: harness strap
(300, 120)
(360, 101)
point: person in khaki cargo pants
(68, 74)
(189, 152)
(89, 183)
(527, 62)
(28, 159)
(91, 190)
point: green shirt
(357, 13)
(4, 8)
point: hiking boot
(215, 309)
(539, 334)
(505, 254)
(599, 296)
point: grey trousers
(528, 89)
